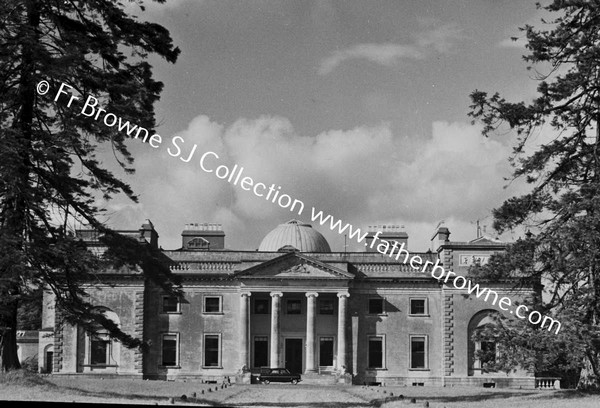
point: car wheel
(266, 382)
(294, 381)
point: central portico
(294, 314)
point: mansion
(359, 317)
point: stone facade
(319, 313)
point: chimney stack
(389, 233)
(203, 236)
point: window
(170, 304)
(261, 351)
(487, 353)
(261, 306)
(294, 306)
(326, 306)
(418, 352)
(99, 349)
(169, 350)
(212, 350)
(326, 351)
(212, 304)
(418, 306)
(198, 243)
(376, 352)
(376, 306)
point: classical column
(244, 328)
(311, 331)
(341, 336)
(275, 310)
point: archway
(481, 353)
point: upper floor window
(326, 306)
(261, 306)
(170, 304)
(294, 306)
(213, 304)
(198, 243)
(418, 306)
(375, 306)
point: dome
(294, 235)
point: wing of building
(361, 317)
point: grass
(22, 385)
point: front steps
(323, 379)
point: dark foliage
(563, 206)
(50, 176)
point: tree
(563, 204)
(50, 175)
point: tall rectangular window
(99, 349)
(376, 351)
(169, 349)
(488, 352)
(212, 350)
(418, 352)
(261, 351)
(212, 304)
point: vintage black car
(268, 375)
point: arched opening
(482, 353)
(48, 362)
(101, 352)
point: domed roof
(297, 235)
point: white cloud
(384, 54)
(353, 174)
(440, 40)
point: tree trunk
(589, 378)
(15, 208)
(9, 360)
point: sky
(355, 108)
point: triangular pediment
(294, 266)
(486, 240)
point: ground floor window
(326, 351)
(376, 351)
(418, 352)
(261, 351)
(212, 350)
(99, 349)
(170, 346)
(487, 353)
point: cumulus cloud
(353, 174)
(425, 43)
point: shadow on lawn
(145, 397)
(569, 394)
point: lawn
(22, 386)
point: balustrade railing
(547, 383)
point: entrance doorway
(326, 351)
(49, 358)
(293, 355)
